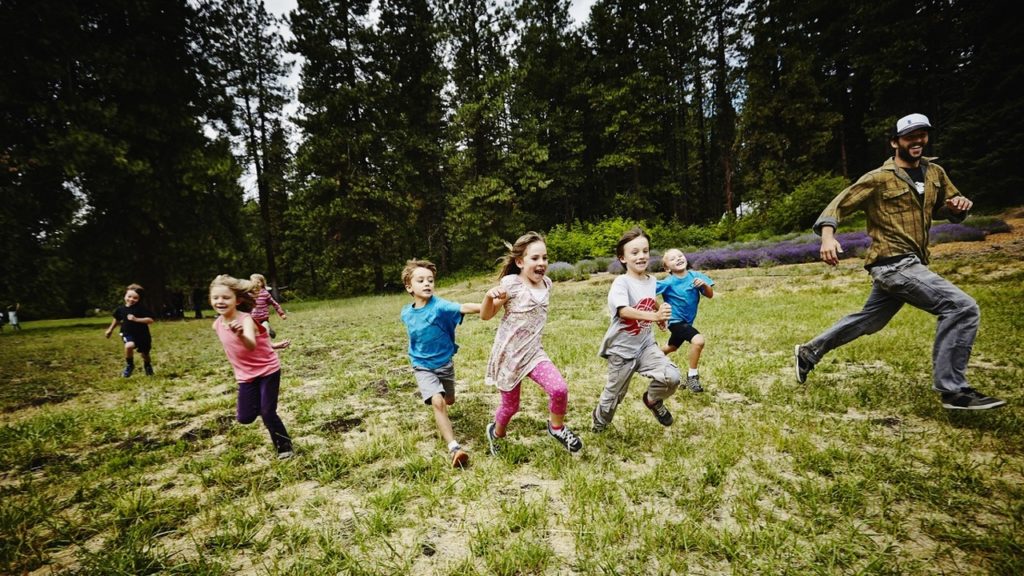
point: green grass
(859, 471)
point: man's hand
(830, 251)
(830, 247)
(958, 204)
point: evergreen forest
(161, 142)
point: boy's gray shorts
(437, 381)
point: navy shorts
(142, 343)
(681, 332)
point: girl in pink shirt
(253, 358)
(262, 300)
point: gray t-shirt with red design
(626, 338)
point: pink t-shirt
(248, 364)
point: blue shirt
(682, 295)
(432, 332)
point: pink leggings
(550, 379)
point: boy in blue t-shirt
(430, 321)
(682, 289)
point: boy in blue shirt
(682, 289)
(430, 321)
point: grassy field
(859, 471)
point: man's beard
(905, 155)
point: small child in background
(524, 292)
(262, 300)
(431, 321)
(253, 358)
(629, 344)
(134, 319)
(12, 316)
(682, 289)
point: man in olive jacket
(900, 200)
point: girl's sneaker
(492, 440)
(566, 438)
(128, 369)
(148, 368)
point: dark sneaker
(149, 369)
(596, 426)
(801, 365)
(128, 369)
(566, 437)
(969, 399)
(660, 412)
(693, 383)
(459, 457)
(492, 440)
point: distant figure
(629, 345)
(523, 291)
(682, 289)
(134, 319)
(198, 295)
(900, 199)
(12, 316)
(431, 321)
(253, 358)
(262, 300)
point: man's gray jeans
(908, 281)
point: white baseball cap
(911, 122)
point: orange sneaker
(460, 459)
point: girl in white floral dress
(517, 352)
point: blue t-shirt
(432, 332)
(682, 295)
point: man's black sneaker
(801, 365)
(566, 437)
(969, 399)
(660, 412)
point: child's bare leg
(668, 349)
(145, 357)
(129, 352)
(696, 347)
(444, 424)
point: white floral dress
(517, 346)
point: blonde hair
(517, 250)
(664, 257)
(412, 265)
(241, 288)
(137, 288)
(258, 281)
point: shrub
(586, 240)
(616, 267)
(950, 232)
(654, 263)
(988, 224)
(587, 267)
(561, 271)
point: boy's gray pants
(651, 363)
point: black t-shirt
(129, 328)
(917, 175)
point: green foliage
(797, 210)
(586, 240)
